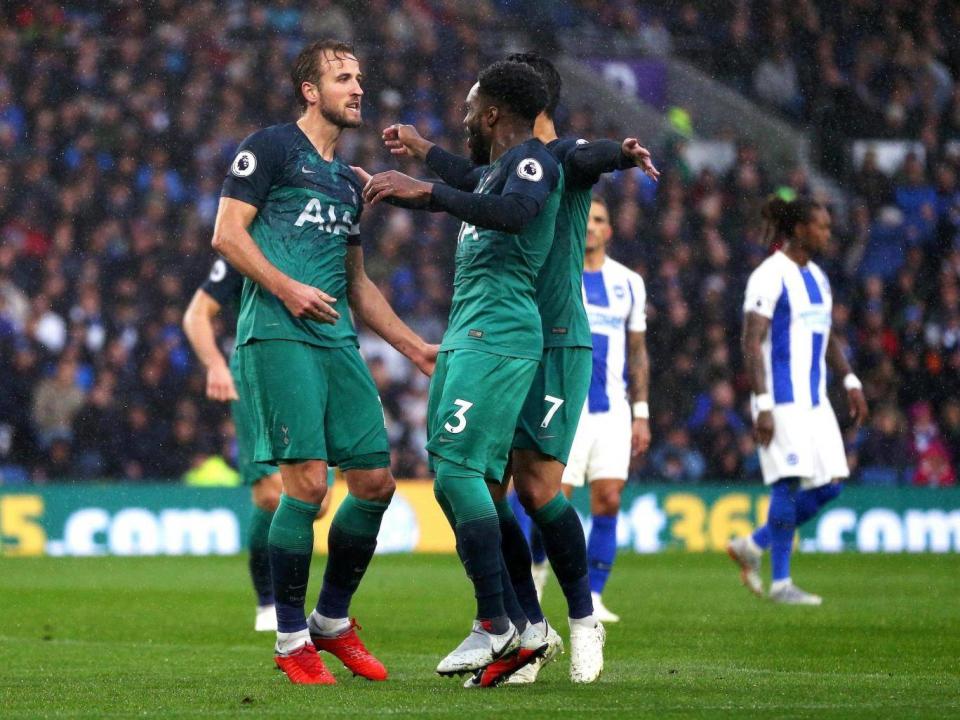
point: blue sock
(601, 550)
(538, 553)
(516, 556)
(782, 520)
(809, 502)
(761, 536)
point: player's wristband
(852, 382)
(763, 403)
(641, 410)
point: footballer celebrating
(222, 288)
(547, 423)
(787, 344)
(493, 343)
(288, 220)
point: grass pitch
(171, 638)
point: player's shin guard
(601, 550)
(782, 520)
(478, 537)
(516, 556)
(259, 541)
(352, 541)
(567, 550)
(291, 548)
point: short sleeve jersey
(494, 306)
(558, 285)
(616, 300)
(799, 304)
(309, 212)
(224, 284)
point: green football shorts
(313, 403)
(474, 401)
(551, 412)
(250, 470)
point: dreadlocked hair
(781, 217)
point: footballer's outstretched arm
(372, 308)
(588, 161)
(198, 327)
(755, 329)
(837, 359)
(232, 240)
(456, 171)
(638, 363)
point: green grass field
(172, 638)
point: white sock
(779, 584)
(291, 642)
(265, 608)
(590, 621)
(329, 627)
(752, 544)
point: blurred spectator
(55, 403)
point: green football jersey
(309, 212)
(494, 306)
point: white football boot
(586, 650)
(529, 673)
(266, 619)
(786, 593)
(601, 611)
(479, 649)
(745, 553)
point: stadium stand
(112, 155)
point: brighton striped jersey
(615, 299)
(798, 302)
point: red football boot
(500, 670)
(304, 667)
(351, 651)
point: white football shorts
(601, 447)
(806, 444)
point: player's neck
(544, 130)
(509, 136)
(321, 133)
(593, 259)
(795, 252)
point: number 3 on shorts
(460, 415)
(555, 404)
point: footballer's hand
(304, 301)
(763, 428)
(394, 185)
(858, 406)
(632, 148)
(405, 140)
(361, 173)
(220, 385)
(639, 436)
(426, 359)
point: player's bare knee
(266, 492)
(377, 485)
(305, 481)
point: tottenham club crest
(244, 164)
(530, 169)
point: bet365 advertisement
(161, 519)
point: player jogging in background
(549, 417)
(492, 347)
(221, 289)
(787, 345)
(288, 220)
(612, 428)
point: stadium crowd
(117, 123)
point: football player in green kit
(491, 350)
(288, 220)
(550, 415)
(222, 289)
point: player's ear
(492, 115)
(310, 91)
